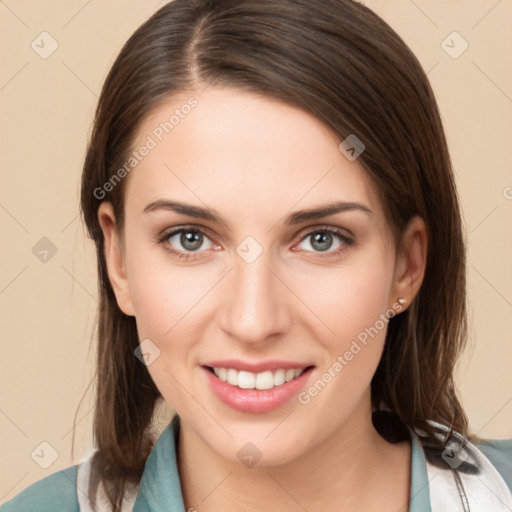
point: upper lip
(262, 366)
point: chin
(258, 449)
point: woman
(281, 262)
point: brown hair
(339, 61)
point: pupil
(322, 238)
(191, 240)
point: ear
(114, 258)
(411, 262)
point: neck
(353, 468)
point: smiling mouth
(260, 381)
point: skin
(255, 160)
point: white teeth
(265, 380)
(249, 380)
(223, 374)
(290, 374)
(246, 380)
(232, 377)
(279, 377)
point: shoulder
(499, 453)
(54, 492)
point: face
(234, 278)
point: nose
(254, 302)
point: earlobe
(114, 258)
(411, 262)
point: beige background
(48, 308)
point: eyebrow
(292, 219)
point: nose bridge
(255, 305)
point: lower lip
(256, 400)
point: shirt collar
(160, 487)
(420, 494)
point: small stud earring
(401, 301)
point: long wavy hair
(339, 61)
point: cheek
(163, 293)
(349, 298)
(339, 312)
(164, 296)
(339, 302)
(351, 304)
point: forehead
(243, 153)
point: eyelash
(164, 237)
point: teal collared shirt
(160, 484)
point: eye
(188, 241)
(321, 240)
